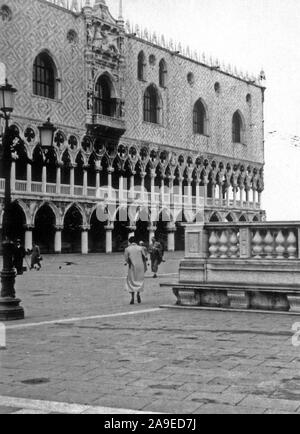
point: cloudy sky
(250, 34)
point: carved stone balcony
(108, 125)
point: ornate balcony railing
(123, 196)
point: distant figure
(19, 255)
(137, 266)
(156, 255)
(145, 250)
(35, 257)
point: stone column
(213, 193)
(108, 238)
(152, 230)
(205, 183)
(84, 240)
(254, 197)
(234, 196)
(247, 197)
(28, 237)
(58, 178)
(85, 180)
(44, 179)
(109, 181)
(13, 176)
(181, 191)
(28, 178)
(72, 180)
(171, 237)
(57, 239)
(121, 189)
(97, 178)
(153, 174)
(241, 196)
(143, 176)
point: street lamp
(47, 131)
(9, 304)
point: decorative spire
(121, 11)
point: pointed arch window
(151, 105)
(199, 118)
(103, 101)
(44, 76)
(237, 128)
(141, 66)
(163, 73)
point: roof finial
(120, 10)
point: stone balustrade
(241, 266)
(259, 240)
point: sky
(249, 34)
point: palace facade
(141, 124)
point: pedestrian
(156, 256)
(145, 250)
(137, 266)
(36, 257)
(18, 257)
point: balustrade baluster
(224, 245)
(233, 241)
(257, 243)
(213, 245)
(280, 248)
(292, 245)
(269, 245)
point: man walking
(19, 255)
(137, 266)
(156, 255)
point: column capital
(28, 227)
(85, 228)
(59, 228)
(109, 227)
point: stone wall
(36, 26)
(178, 101)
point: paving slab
(82, 344)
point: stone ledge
(220, 309)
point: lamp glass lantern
(7, 98)
(47, 131)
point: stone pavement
(82, 348)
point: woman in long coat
(137, 266)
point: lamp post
(10, 308)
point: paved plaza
(83, 349)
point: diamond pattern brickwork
(36, 26)
(178, 101)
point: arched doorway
(142, 225)
(161, 233)
(44, 230)
(121, 231)
(71, 234)
(97, 235)
(180, 232)
(17, 223)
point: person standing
(137, 266)
(19, 255)
(35, 257)
(156, 256)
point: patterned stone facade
(91, 44)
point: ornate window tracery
(199, 118)
(141, 66)
(44, 76)
(151, 105)
(163, 73)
